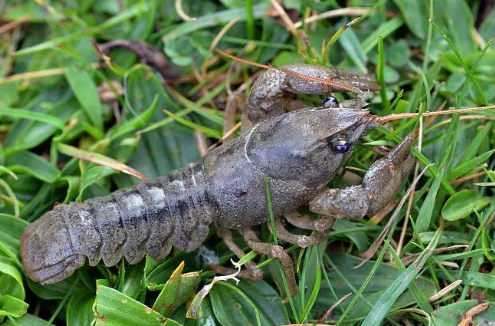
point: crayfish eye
(330, 102)
(342, 146)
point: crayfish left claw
(379, 186)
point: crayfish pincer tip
(46, 250)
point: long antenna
(328, 82)
(398, 116)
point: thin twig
(200, 140)
(467, 319)
(409, 259)
(478, 39)
(468, 178)
(332, 308)
(287, 21)
(13, 24)
(37, 74)
(328, 82)
(225, 136)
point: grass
(59, 103)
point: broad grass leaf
(190, 49)
(468, 166)
(287, 57)
(52, 291)
(122, 16)
(415, 14)
(36, 132)
(383, 30)
(243, 304)
(31, 164)
(352, 46)
(398, 53)
(92, 175)
(98, 158)
(487, 27)
(455, 82)
(186, 290)
(164, 149)
(311, 263)
(206, 315)
(9, 93)
(12, 306)
(11, 279)
(232, 3)
(470, 278)
(447, 237)
(472, 149)
(451, 314)
(425, 213)
(169, 292)
(131, 280)
(11, 229)
(463, 203)
(112, 308)
(80, 308)
(397, 288)
(142, 26)
(214, 19)
(156, 276)
(26, 320)
(133, 123)
(72, 183)
(87, 94)
(358, 237)
(30, 115)
(274, 34)
(384, 276)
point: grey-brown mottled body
(174, 209)
(226, 188)
(297, 151)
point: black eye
(330, 102)
(342, 146)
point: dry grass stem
(446, 290)
(351, 11)
(181, 13)
(467, 319)
(289, 24)
(222, 32)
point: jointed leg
(302, 241)
(251, 271)
(266, 96)
(323, 224)
(273, 251)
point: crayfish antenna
(329, 82)
(399, 116)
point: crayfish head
(46, 250)
(307, 145)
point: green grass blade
(388, 298)
(31, 115)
